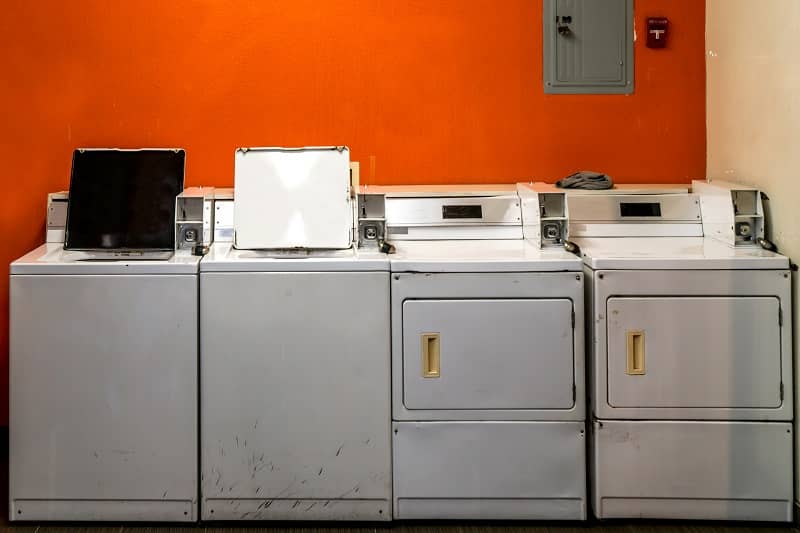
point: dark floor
(426, 527)
(412, 528)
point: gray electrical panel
(588, 46)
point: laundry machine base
(696, 470)
(489, 470)
(283, 508)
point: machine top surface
(625, 188)
(223, 257)
(433, 191)
(513, 255)
(675, 253)
(51, 258)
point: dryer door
(694, 352)
(488, 354)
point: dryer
(103, 359)
(691, 361)
(294, 347)
(487, 356)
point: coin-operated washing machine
(487, 355)
(295, 346)
(690, 351)
(103, 351)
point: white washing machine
(294, 349)
(103, 355)
(690, 354)
(487, 356)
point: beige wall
(753, 110)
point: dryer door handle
(430, 355)
(635, 343)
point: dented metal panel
(103, 397)
(295, 403)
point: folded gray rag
(586, 179)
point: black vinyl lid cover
(124, 199)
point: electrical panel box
(588, 46)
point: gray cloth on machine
(586, 179)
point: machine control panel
(732, 213)
(371, 218)
(453, 215)
(194, 218)
(462, 211)
(544, 214)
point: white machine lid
(674, 253)
(292, 198)
(51, 258)
(222, 257)
(481, 256)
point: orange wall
(421, 90)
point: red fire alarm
(657, 32)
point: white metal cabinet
(295, 395)
(489, 354)
(694, 352)
(103, 375)
(695, 469)
(519, 470)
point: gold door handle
(430, 355)
(635, 343)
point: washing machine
(294, 321)
(487, 355)
(103, 350)
(690, 354)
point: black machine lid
(124, 199)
